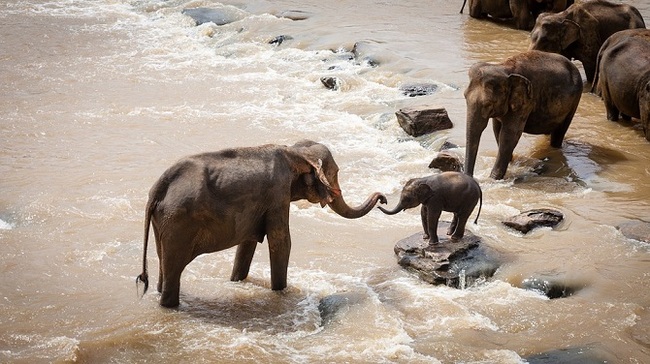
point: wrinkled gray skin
(235, 197)
(623, 76)
(580, 30)
(532, 92)
(524, 12)
(453, 192)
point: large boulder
(455, 264)
(529, 220)
(423, 120)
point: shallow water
(99, 97)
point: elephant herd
(538, 91)
(236, 197)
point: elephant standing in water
(213, 201)
(524, 12)
(448, 191)
(532, 92)
(580, 30)
(623, 76)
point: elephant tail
(480, 204)
(144, 276)
(463, 7)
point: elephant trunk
(395, 210)
(476, 123)
(339, 206)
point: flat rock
(218, 16)
(446, 161)
(637, 230)
(418, 89)
(423, 120)
(529, 220)
(455, 264)
(590, 354)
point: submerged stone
(331, 306)
(280, 39)
(637, 230)
(455, 264)
(529, 220)
(418, 89)
(575, 355)
(551, 288)
(221, 16)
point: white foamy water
(99, 97)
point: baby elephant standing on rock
(448, 191)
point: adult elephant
(213, 201)
(533, 92)
(580, 30)
(623, 76)
(524, 12)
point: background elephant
(623, 76)
(580, 30)
(532, 92)
(524, 12)
(448, 191)
(213, 201)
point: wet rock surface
(551, 287)
(575, 355)
(637, 230)
(221, 16)
(446, 161)
(423, 120)
(418, 89)
(332, 306)
(455, 264)
(531, 219)
(331, 83)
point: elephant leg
(496, 127)
(511, 131)
(475, 10)
(612, 111)
(521, 12)
(279, 247)
(459, 230)
(557, 136)
(452, 226)
(432, 221)
(424, 213)
(626, 117)
(171, 280)
(243, 259)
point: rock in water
(455, 264)
(528, 220)
(637, 230)
(221, 16)
(425, 120)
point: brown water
(98, 98)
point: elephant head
(554, 33)
(414, 193)
(317, 180)
(493, 92)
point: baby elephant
(448, 191)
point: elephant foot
(169, 302)
(425, 236)
(456, 238)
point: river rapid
(99, 97)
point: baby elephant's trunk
(397, 209)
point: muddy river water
(99, 97)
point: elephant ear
(521, 91)
(571, 34)
(424, 192)
(320, 174)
